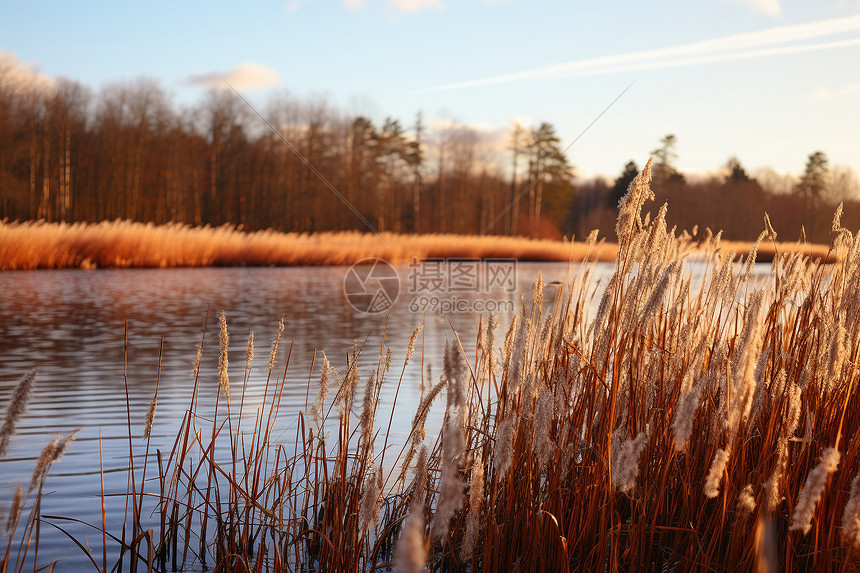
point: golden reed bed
(123, 244)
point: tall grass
(684, 427)
(123, 244)
(41, 245)
(14, 556)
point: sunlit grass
(123, 244)
(41, 245)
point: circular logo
(371, 285)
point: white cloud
(355, 4)
(824, 93)
(415, 5)
(769, 7)
(19, 76)
(757, 44)
(249, 76)
(442, 124)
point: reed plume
(16, 407)
(746, 499)
(51, 453)
(625, 463)
(224, 340)
(149, 418)
(275, 346)
(451, 486)
(325, 376)
(683, 424)
(715, 473)
(543, 443)
(45, 459)
(504, 446)
(418, 431)
(851, 517)
(15, 509)
(249, 355)
(198, 357)
(813, 488)
(410, 348)
(411, 551)
(476, 501)
(630, 206)
(368, 411)
(371, 499)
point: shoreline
(35, 245)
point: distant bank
(121, 244)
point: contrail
(761, 43)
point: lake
(70, 325)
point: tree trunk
(44, 202)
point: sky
(768, 81)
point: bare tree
(519, 140)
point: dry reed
(17, 404)
(123, 244)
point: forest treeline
(70, 154)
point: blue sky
(767, 80)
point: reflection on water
(70, 325)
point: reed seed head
(275, 345)
(687, 406)
(51, 453)
(224, 339)
(544, 414)
(319, 402)
(451, 486)
(772, 486)
(813, 489)
(371, 499)
(504, 446)
(410, 555)
(771, 234)
(368, 411)
(15, 509)
(249, 356)
(197, 360)
(715, 473)
(625, 462)
(537, 292)
(411, 348)
(746, 500)
(851, 517)
(16, 407)
(630, 207)
(476, 500)
(149, 418)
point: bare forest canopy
(68, 154)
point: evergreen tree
(814, 179)
(664, 170)
(622, 182)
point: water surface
(72, 326)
